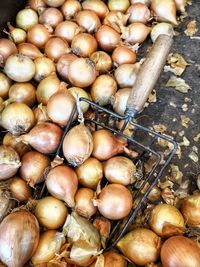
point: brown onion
(12, 140)
(108, 38)
(54, 3)
(19, 237)
(120, 99)
(116, 20)
(110, 258)
(55, 48)
(60, 106)
(120, 170)
(29, 50)
(79, 93)
(19, 68)
(82, 72)
(9, 162)
(62, 183)
(5, 84)
(49, 245)
(33, 167)
(106, 145)
(51, 212)
(90, 173)
(102, 60)
(191, 210)
(16, 35)
(26, 18)
(166, 220)
(103, 89)
(36, 4)
(118, 5)
(98, 6)
(88, 20)
(180, 5)
(114, 202)
(141, 246)
(70, 8)
(6, 203)
(180, 251)
(51, 16)
(84, 44)
(77, 145)
(43, 137)
(38, 35)
(138, 13)
(17, 118)
(7, 48)
(154, 194)
(19, 189)
(44, 67)
(63, 65)
(40, 114)
(126, 74)
(123, 55)
(162, 28)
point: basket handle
(148, 74)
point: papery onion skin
(180, 251)
(138, 13)
(84, 44)
(161, 28)
(63, 65)
(43, 137)
(116, 19)
(102, 60)
(84, 205)
(99, 7)
(33, 167)
(6, 203)
(51, 16)
(12, 140)
(44, 67)
(123, 55)
(55, 48)
(51, 212)
(114, 202)
(5, 84)
(26, 18)
(36, 4)
(166, 220)
(54, 3)
(7, 48)
(88, 20)
(49, 245)
(70, 8)
(120, 99)
(90, 173)
(19, 189)
(38, 35)
(190, 209)
(29, 50)
(118, 5)
(19, 68)
(79, 93)
(141, 246)
(103, 89)
(19, 237)
(17, 118)
(62, 183)
(126, 74)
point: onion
(141, 246)
(26, 18)
(19, 189)
(90, 173)
(6, 204)
(118, 5)
(29, 50)
(67, 30)
(82, 72)
(109, 259)
(65, 101)
(43, 137)
(120, 99)
(84, 44)
(123, 55)
(107, 38)
(106, 145)
(114, 202)
(7, 48)
(191, 210)
(70, 8)
(77, 145)
(49, 245)
(38, 35)
(22, 93)
(180, 251)
(12, 140)
(1, 104)
(165, 11)
(44, 67)
(19, 237)
(33, 167)
(17, 118)
(79, 93)
(51, 212)
(54, 3)
(84, 205)
(120, 170)
(40, 113)
(47, 87)
(135, 33)
(154, 194)
(55, 48)
(180, 5)
(126, 74)
(63, 65)
(16, 35)
(103, 89)
(139, 13)
(146, 2)
(166, 220)
(161, 28)
(88, 20)
(116, 20)
(5, 84)
(51, 16)
(36, 4)
(102, 60)
(98, 6)
(19, 68)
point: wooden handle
(148, 74)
